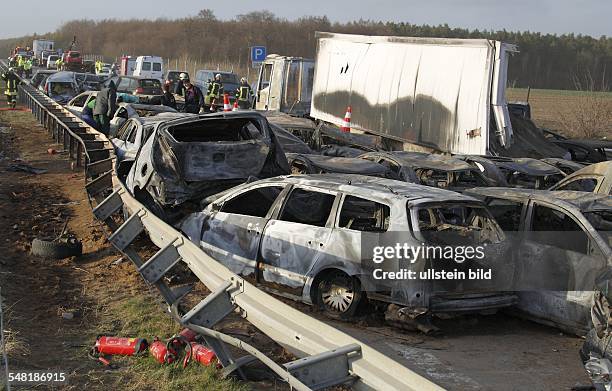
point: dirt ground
(100, 291)
(106, 296)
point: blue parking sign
(258, 53)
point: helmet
(218, 76)
(243, 80)
(183, 76)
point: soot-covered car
(440, 171)
(301, 163)
(526, 173)
(306, 237)
(187, 159)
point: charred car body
(431, 170)
(190, 158)
(596, 178)
(301, 236)
(300, 163)
(516, 172)
(562, 246)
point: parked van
(149, 67)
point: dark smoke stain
(413, 120)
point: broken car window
(256, 202)
(308, 207)
(457, 225)
(547, 222)
(224, 129)
(364, 215)
(584, 184)
(507, 213)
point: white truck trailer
(38, 45)
(443, 94)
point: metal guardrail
(327, 356)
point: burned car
(524, 173)
(588, 151)
(135, 131)
(562, 245)
(137, 110)
(308, 237)
(567, 166)
(596, 178)
(290, 143)
(441, 171)
(301, 163)
(192, 157)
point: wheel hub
(337, 297)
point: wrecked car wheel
(339, 295)
(67, 247)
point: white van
(150, 67)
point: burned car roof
(524, 164)
(567, 166)
(602, 168)
(341, 165)
(368, 186)
(581, 200)
(427, 160)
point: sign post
(258, 54)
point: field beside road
(572, 113)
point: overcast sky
(591, 17)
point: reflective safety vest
(214, 91)
(20, 61)
(11, 85)
(243, 93)
(27, 65)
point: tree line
(545, 60)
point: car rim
(338, 298)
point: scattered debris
(118, 261)
(68, 315)
(16, 167)
(599, 369)
(58, 249)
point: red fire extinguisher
(116, 346)
(202, 354)
(163, 352)
(119, 346)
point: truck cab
(285, 85)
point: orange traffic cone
(346, 123)
(235, 108)
(226, 104)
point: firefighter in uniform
(20, 65)
(215, 90)
(243, 94)
(27, 68)
(59, 63)
(11, 80)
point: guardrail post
(79, 155)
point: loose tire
(339, 295)
(57, 250)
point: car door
(231, 232)
(562, 263)
(296, 238)
(121, 141)
(76, 105)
